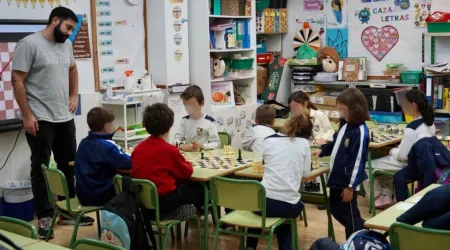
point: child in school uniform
(162, 163)
(415, 104)
(299, 103)
(254, 137)
(97, 160)
(197, 131)
(348, 153)
(287, 158)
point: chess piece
(178, 145)
(202, 156)
(371, 136)
(239, 155)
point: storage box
(317, 98)
(330, 111)
(229, 7)
(242, 64)
(438, 27)
(262, 74)
(325, 98)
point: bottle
(128, 80)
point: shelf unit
(134, 100)
(200, 52)
(371, 84)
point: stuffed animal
(329, 58)
(219, 67)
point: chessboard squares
(6, 76)
(5, 57)
(6, 86)
(9, 94)
(5, 65)
(11, 47)
(2, 114)
(4, 47)
(2, 95)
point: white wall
(18, 166)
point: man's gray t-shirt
(47, 84)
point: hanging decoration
(422, 9)
(51, 2)
(402, 4)
(42, 3)
(307, 36)
(379, 41)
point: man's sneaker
(44, 227)
(84, 221)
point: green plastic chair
(148, 196)
(89, 244)
(407, 237)
(244, 197)
(57, 186)
(225, 139)
(19, 227)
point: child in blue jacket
(348, 152)
(98, 159)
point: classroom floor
(317, 228)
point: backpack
(366, 240)
(281, 111)
(122, 222)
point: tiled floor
(317, 228)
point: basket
(438, 27)
(229, 7)
(411, 76)
(242, 64)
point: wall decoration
(176, 12)
(313, 5)
(402, 4)
(379, 41)
(422, 9)
(338, 39)
(276, 67)
(178, 55)
(336, 12)
(177, 26)
(80, 38)
(222, 94)
(8, 105)
(363, 15)
(306, 36)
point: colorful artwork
(422, 9)
(307, 36)
(402, 4)
(363, 15)
(336, 12)
(313, 5)
(338, 39)
(222, 94)
(380, 41)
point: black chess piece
(178, 145)
(371, 137)
(202, 156)
(239, 155)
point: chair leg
(269, 240)
(75, 229)
(199, 232)
(304, 217)
(186, 229)
(294, 234)
(372, 208)
(166, 237)
(172, 233)
(241, 239)
(216, 237)
(160, 237)
(99, 230)
(50, 232)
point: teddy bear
(329, 58)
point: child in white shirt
(287, 158)
(197, 131)
(299, 103)
(254, 137)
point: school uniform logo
(346, 142)
(200, 131)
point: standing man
(45, 80)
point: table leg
(327, 205)
(371, 184)
(206, 216)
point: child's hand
(197, 146)
(347, 195)
(317, 153)
(187, 147)
(320, 141)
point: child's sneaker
(84, 221)
(44, 227)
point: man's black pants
(61, 139)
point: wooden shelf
(131, 138)
(447, 34)
(224, 79)
(230, 50)
(234, 17)
(442, 111)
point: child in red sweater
(162, 163)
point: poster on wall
(336, 13)
(313, 5)
(222, 95)
(80, 38)
(421, 10)
(380, 41)
(338, 39)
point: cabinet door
(245, 117)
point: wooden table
(415, 198)
(42, 245)
(385, 219)
(279, 123)
(19, 240)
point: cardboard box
(330, 111)
(317, 98)
(325, 98)
(262, 74)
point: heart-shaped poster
(379, 41)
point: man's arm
(30, 123)
(73, 87)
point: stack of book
(230, 34)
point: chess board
(217, 162)
(8, 105)
(380, 138)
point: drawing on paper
(380, 41)
(338, 39)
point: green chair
(89, 244)
(225, 139)
(245, 196)
(407, 237)
(17, 226)
(57, 186)
(148, 196)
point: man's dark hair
(157, 119)
(193, 91)
(62, 13)
(98, 117)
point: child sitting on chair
(162, 163)
(254, 137)
(197, 131)
(97, 160)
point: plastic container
(242, 64)
(411, 76)
(438, 27)
(19, 203)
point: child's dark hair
(301, 97)
(157, 119)
(425, 108)
(265, 115)
(97, 118)
(300, 125)
(193, 91)
(354, 99)
(62, 13)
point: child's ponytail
(424, 107)
(300, 125)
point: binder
(429, 88)
(216, 7)
(247, 31)
(440, 103)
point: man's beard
(59, 36)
